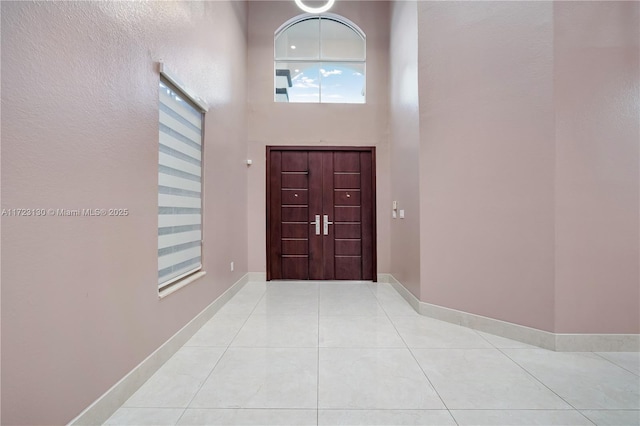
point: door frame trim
(371, 149)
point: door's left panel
(289, 215)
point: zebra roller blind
(179, 186)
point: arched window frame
(320, 59)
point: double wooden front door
(321, 213)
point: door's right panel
(347, 215)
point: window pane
(320, 59)
(342, 83)
(299, 41)
(305, 82)
(340, 42)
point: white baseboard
(597, 342)
(257, 276)
(110, 401)
(384, 278)
(532, 336)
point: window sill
(180, 284)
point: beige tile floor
(355, 353)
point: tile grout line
(391, 409)
(616, 364)
(499, 350)
(542, 409)
(223, 353)
(415, 359)
(484, 338)
(543, 384)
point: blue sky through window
(327, 83)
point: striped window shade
(179, 187)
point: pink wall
(80, 306)
(597, 84)
(487, 158)
(404, 144)
(528, 160)
(273, 123)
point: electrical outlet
(231, 266)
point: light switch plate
(401, 214)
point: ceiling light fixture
(321, 9)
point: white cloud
(305, 83)
(357, 73)
(326, 73)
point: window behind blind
(179, 186)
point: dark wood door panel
(295, 180)
(305, 183)
(368, 219)
(347, 230)
(348, 268)
(348, 197)
(274, 215)
(346, 180)
(295, 213)
(295, 230)
(295, 161)
(348, 247)
(347, 214)
(328, 246)
(295, 267)
(316, 254)
(294, 196)
(295, 247)
(346, 162)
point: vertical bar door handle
(326, 224)
(317, 224)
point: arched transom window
(320, 59)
